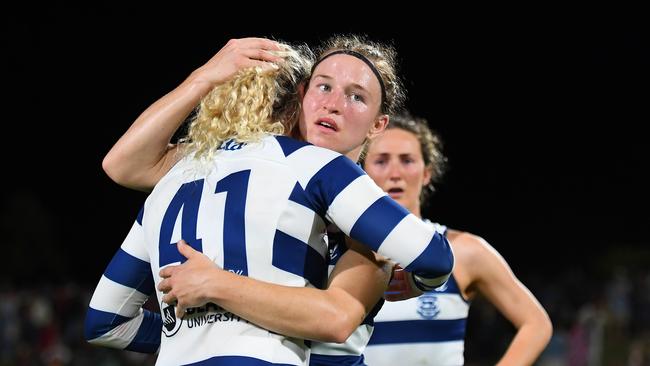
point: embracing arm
(144, 154)
(367, 214)
(491, 276)
(329, 315)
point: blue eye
(324, 87)
(356, 98)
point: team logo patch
(171, 324)
(428, 306)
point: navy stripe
(100, 322)
(130, 271)
(147, 340)
(297, 257)
(329, 360)
(331, 179)
(436, 260)
(289, 145)
(377, 222)
(140, 216)
(299, 196)
(414, 331)
(235, 361)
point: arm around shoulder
(144, 154)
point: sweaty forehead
(348, 69)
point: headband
(362, 58)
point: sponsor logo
(194, 317)
(335, 244)
(171, 324)
(231, 145)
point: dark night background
(543, 120)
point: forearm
(143, 154)
(528, 343)
(330, 315)
(323, 315)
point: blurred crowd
(599, 319)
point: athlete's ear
(294, 131)
(302, 89)
(378, 126)
(426, 177)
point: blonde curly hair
(252, 104)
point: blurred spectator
(600, 317)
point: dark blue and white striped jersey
(425, 330)
(258, 210)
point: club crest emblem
(428, 306)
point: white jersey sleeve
(334, 185)
(115, 317)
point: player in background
(430, 329)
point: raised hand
(236, 55)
